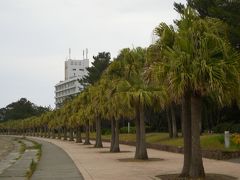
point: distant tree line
(21, 109)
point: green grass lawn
(208, 142)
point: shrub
(236, 139)
(124, 130)
(235, 128)
(220, 128)
(221, 139)
(106, 131)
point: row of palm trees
(184, 65)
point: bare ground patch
(140, 160)
(208, 177)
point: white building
(74, 70)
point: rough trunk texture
(141, 152)
(59, 133)
(113, 126)
(169, 123)
(137, 125)
(71, 134)
(78, 135)
(48, 133)
(98, 143)
(87, 138)
(116, 141)
(174, 122)
(45, 132)
(53, 134)
(65, 133)
(34, 132)
(186, 128)
(40, 132)
(196, 169)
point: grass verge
(33, 165)
(31, 170)
(208, 141)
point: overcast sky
(35, 36)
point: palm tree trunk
(71, 134)
(169, 123)
(59, 133)
(98, 143)
(186, 128)
(141, 153)
(137, 125)
(78, 135)
(36, 132)
(196, 169)
(65, 133)
(53, 134)
(174, 122)
(33, 132)
(116, 141)
(113, 126)
(41, 132)
(87, 138)
(143, 148)
(49, 133)
(45, 132)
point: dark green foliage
(157, 121)
(233, 128)
(124, 130)
(226, 10)
(220, 128)
(230, 113)
(21, 109)
(221, 139)
(106, 131)
(148, 129)
(101, 62)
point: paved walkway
(7, 146)
(16, 169)
(55, 164)
(8, 156)
(98, 164)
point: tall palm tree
(128, 68)
(199, 63)
(96, 101)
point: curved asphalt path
(55, 164)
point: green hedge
(124, 130)
(233, 128)
(106, 131)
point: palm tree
(199, 63)
(96, 95)
(114, 107)
(128, 68)
(85, 114)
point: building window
(74, 69)
(81, 69)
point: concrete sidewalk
(100, 165)
(16, 164)
(55, 164)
